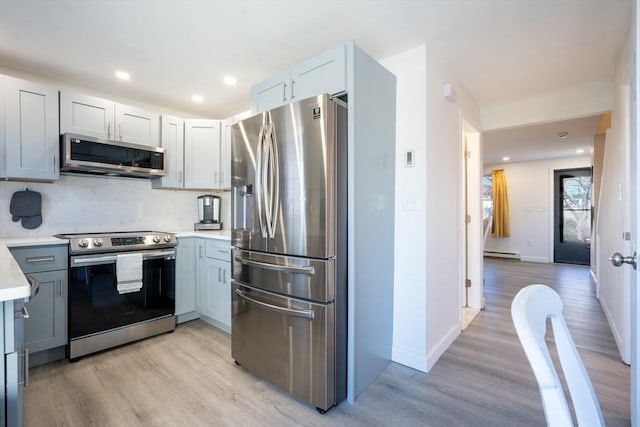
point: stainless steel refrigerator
(289, 233)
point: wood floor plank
(187, 378)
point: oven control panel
(113, 242)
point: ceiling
(499, 50)
(540, 142)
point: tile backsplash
(85, 203)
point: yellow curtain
(500, 226)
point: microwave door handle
(307, 314)
(307, 269)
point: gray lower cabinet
(14, 372)
(186, 280)
(45, 330)
(213, 299)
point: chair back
(486, 226)
(529, 310)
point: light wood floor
(188, 378)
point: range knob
(156, 239)
(97, 242)
(83, 243)
(167, 238)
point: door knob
(617, 259)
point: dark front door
(572, 216)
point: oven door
(95, 305)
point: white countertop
(13, 284)
(219, 235)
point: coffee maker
(208, 213)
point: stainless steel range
(121, 288)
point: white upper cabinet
(324, 73)
(87, 115)
(225, 148)
(225, 153)
(137, 126)
(202, 154)
(101, 118)
(30, 136)
(172, 140)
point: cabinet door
(272, 93)
(225, 154)
(137, 126)
(202, 279)
(46, 326)
(220, 292)
(31, 130)
(87, 115)
(202, 154)
(172, 140)
(324, 73)
(185, 277)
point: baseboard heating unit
(512, 255)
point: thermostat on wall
(409, 158)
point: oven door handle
(94, 260)
(307, 314)
(110, 259)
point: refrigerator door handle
(307, 269)
(274, 181)
(307, 314)
(260, 175)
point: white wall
(530, 191)
(427, 294)
(573, 103)
(613, 283)
(78, 203)
(444, 207)
(409, 315)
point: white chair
(486, 226)
(529, 310)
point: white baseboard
(443, 345)
(616, 334)
(541, 259)
(410, 359)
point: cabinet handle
(109, 130)
(293, 82)
(219, 275)
(120, 131)
(34, 259)
(25, 369)
(223, 251)
(60, 287)
(200, 251)
(284, 92)
(54, 164)
(224, 276)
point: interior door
(572, 216)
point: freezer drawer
(297, 277)
(288, 342)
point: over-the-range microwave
(87, 154)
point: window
(487, 199)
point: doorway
(572, 216)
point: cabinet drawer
(218, 249)
(41, 258)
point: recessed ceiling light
(197, 98)
(122, 75)
(563, 134)
(230, 80)
(506, 158)
(579, 151)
